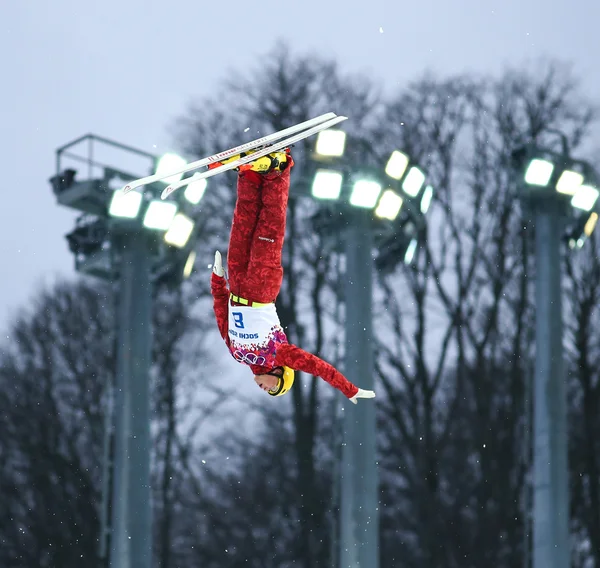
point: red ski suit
(255, 274)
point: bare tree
(171, 320)
(456, 371)
(53, 370)
(457, 365)
(583, 363)
(297, 89)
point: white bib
(252, 328)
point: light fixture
(590, 224)
(160, 214)
(413, 181)
(125, 205)
(582, 230)
(179, 231)
(389, 205)
(409, 255)
(194, 192)
(331, 143)
(568, 182)
(539, 172)
(189, 264)
(170, 163)
(327, 184)
(585, 197)
(396, 165)
(426, 199)
(365, 193)
(88, 238)
(63, 181)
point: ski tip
(127, 189)
(166, 192)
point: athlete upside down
(245, 312)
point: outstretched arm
(300, 360)
(220, 293)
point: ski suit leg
(265, 273)
(245, 219)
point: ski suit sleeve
(300, 360)
(220, 293)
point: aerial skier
(245, 312)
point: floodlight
(413, 181)
(179, 230)
(125, 205)
(88, 238)
(409, 255)
(389, 205)
(159, 214)
(585, 197)
(365, 193)
(396, 165)
(426, 199)
(189, 264)
(569, 182)
(590, 224)
(195, 190)
(63, 181)
(539, 172)
(170, 163)
(331, 143)
(327, 184)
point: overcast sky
(125, 69)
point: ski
(265, 140)
(250, 158)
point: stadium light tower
(134, 240)
(563, 196)
(368, 202)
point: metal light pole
(551, 486)
(557, 188)
(367, 198)
(135, 240)
(359, 508)
(132, 521)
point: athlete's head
(277, 381)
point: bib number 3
(238, 319)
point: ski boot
(276, 161)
